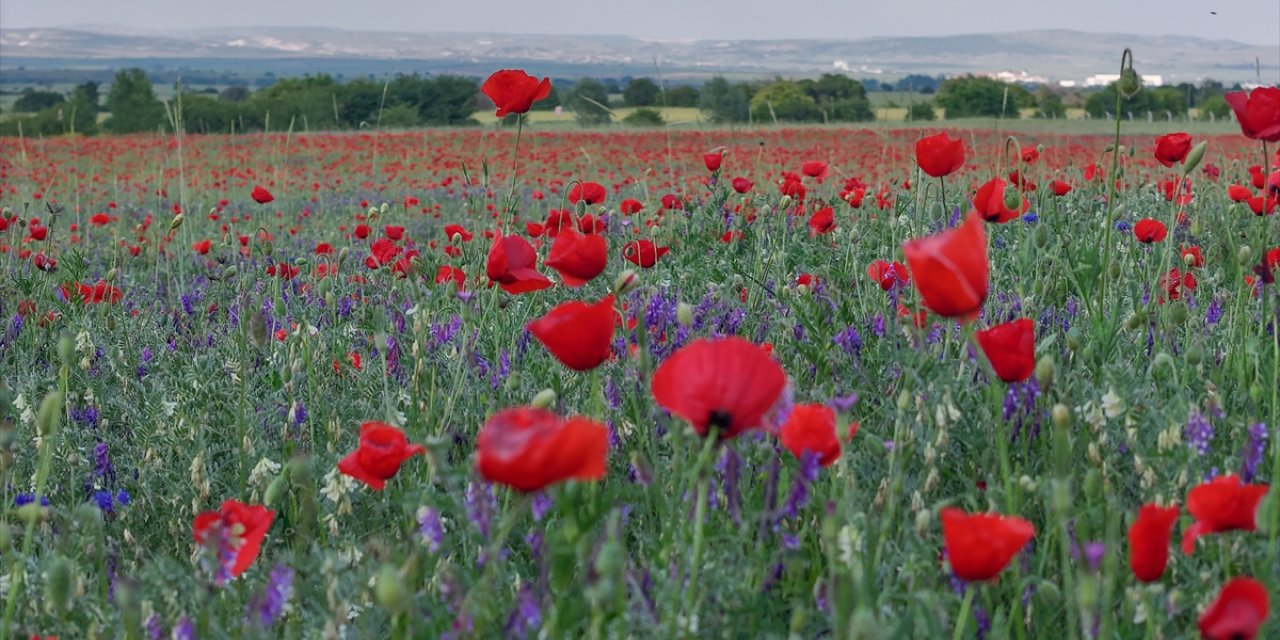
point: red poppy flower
(446, 273)
(511, 264)
(887, 274)
(236, 531)
(1258, 112)
(643, 253)
(951, 270)
(578, 334)
(742, 185)
(456, 230)
(727, 383)
(1237, 613)
(588, 192)
(557, 219)
(383, 448)
(712, 160)
(578, 258)
(591, 224)
(1030, 154)
(44, 263)
(814, 169)
(260, 195)
(384, 251)
(514, 91)
(99, 219)
(1239, 193)
(630, 206)
(1149, 541)
(979, 546)
(1223, 504)
(822, 221)
(394, 232)
(939, 155)
(811, 427)
(1172, 148)
(528, 449)
(362, 231)
(1060, 188)
(202, 247)
(38, 232)
(1149, 230)
(992, 202)
(1011, 349)
(95, 293)
(1174, 282)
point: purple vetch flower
(1251, 457)
(268, 605)
(103, 469)
(1093, 554)
(299, 413)
(1213, 313)
(430, 528)
(611, 392)
(480, 506)
(984, 621)
(799, 497)
(540, 505)
(877, 326)
(184, 630)
(843, 404)
(526, 617)
(1198, 433)
(155, 627)
(849, 341)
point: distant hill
(1051, 54)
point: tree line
(320, 102)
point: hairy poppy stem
(1113, 175)
(692, 599)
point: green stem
(1113, 175)
(692, 599)
(963, 619)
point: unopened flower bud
(1194, 157)
(50, 413)
(1044, 371)
(626, 282)
(544, 399)
(275, 489)
(1012, 199)
(684, 314)
(58, 580)
(1061, 416)
(176, 222)
(1244, 255)
(1129, 84)
(389, 589)
(66, 350)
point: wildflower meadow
(761, 382)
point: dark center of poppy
(719, 419)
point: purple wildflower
(431, 529)
(1251, 457)
(268, 605)
(1198, 432)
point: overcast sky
(1249, 21)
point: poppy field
(757, 383)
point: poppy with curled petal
(578, 258)
(1172, 148)
(578, 334)
(888, 274)
(993, 201)
(979, 546)
(383, 448)
(814, 169)
(588, 192)
(260, 195)
(1149, 230)
(728, 384)
(630, 206)
(939, 155)
(234, 534)
(514, 91)
(1237, 613)
(950, 269)
(643, 253)
(812, 428)
(742, 185)
(712, 160)
(528, 449)
(1060, 187)
(1149, 541)
(1220, 505)
(511, 264)
(1258, 112)
(1010, 348)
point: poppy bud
(1195, 354)
(1042, 236)
(785, 202)
(1194, 157)
(50, 413)
(1093, 483)
(1027, 483)
(1244, 255)
(373, 212)
(1040, 148)
(923, 520)
(389, 589)
(300, 262)
(58, 579)
(89, 518)
(267, 248)
(66, 350)
(1114, 270)
(299, 469)
(1178, 314)
(1255, 392)
(1129, 84)
(31, 513)
(383, 208)
(258, 329)
(684, 314)
(111, 274)
(1135, 319)
(343, 253)
(544, 399)
(1073, 338)
(1012, 199)
(176, 222)
(1061, 416)
(904, 400)
(230, 272)
(765, 209)
(1044, 371)
(626, 282)
(1162, 366)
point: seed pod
(50, 413)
